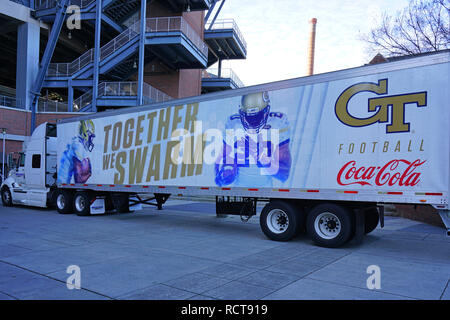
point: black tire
(372, 217)
(280, 220)
(82, 203)
(63, 201)
(6, 197)
(326, 219)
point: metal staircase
(121, 10)
(82, 67)
(125, 45)
(170, 40)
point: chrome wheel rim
(80, 204)
(277, 221)
(327, 225)
(61, 202)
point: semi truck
(324, 152)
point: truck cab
(33, 178)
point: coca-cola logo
(398, 172)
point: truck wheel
(6, 197)
(280, 221)
(82, 203)
(372, 218)
(64, 202)
(329, 225)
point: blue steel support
(217, 13)
(98, 27)
(70, 97)
(220, 68)
(48, 53)
(140, 99)
(210, 11)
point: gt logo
(386, 107)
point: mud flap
(98, 206)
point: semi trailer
(324, 152)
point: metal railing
(152, 94)
(47, 4)
(10, 102)
(127, 89)
(226, 73)
(223, 24)
(43, 104)
(52, 106)
(68, 69)
(169, 24)
(121, 89)
(82, 101)
(118, 42)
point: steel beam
(143, 16)
(48, 53)
(217, 13)
(98, 28)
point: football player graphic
(75, 165)
(259, 150)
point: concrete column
(28, 37)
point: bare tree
(423, 26)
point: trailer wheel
(372, 218)
(82, 203)
(6, 197)
(280, 221)
(329, 225)
(64, 202)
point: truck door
(35, 165)
(50, 156)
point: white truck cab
(33, 177)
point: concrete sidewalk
(186, 252)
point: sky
(277, 33)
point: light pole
(3, 160)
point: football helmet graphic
(87, 134)
(254, 110)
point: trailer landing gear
(159, 198)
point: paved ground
(185, 252)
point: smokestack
(312, 46)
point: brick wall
(422, 213)
(176, 83)
(18, 122)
